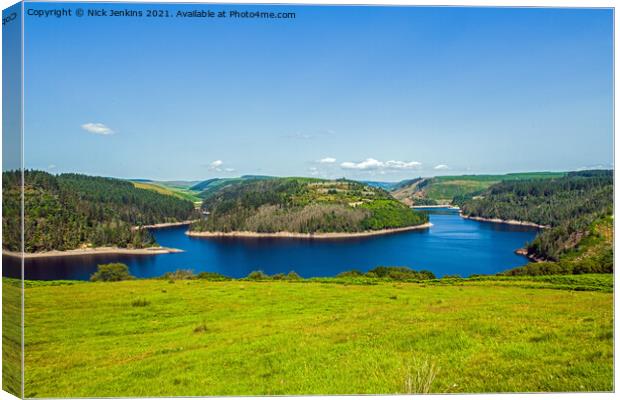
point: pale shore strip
(523, 252)
(330, 235)
(504, 221)
(438, 206)
(93, 251)
(166, 224)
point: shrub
(354, 273)
(257, 276)
(179, 274)
(293, 276)
(212, 276)
(113, 272)
(401, 273)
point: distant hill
(182, 192)
(67, 211)
(206, 188)
(450, 189)
(179, 184)
(303, 205)
(202, 185)
(382, 185)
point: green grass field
(323, 336)
(181, 193)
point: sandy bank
(94, 250)
(335, 235)
(438, 206)
(504, 221)
(165, 224)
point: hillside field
(443, 189)
(320, 336)
(169, 190)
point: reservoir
(452, 246)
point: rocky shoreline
(334, 235)
(504, 221)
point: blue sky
(382, 93)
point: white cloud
(441, 167)
(402, 164)
(371, 164)
(97, 128)
(327, 160)
(51, 166)
(216, 164)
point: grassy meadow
(164, 337)
(181, 193)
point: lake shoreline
(451, 207)
(504, 221)
(165, 224)
(523, 252)
(294, 235)
(93, 251)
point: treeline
(390, 273)
(66, 211)
(568, 205)
(592, 254)
(115, 272)
(602, 263)
(304, 205)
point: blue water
(453, 245)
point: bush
(261, 276)
(293, 276)
(113, 272)
(401, 273)
(257, 276)
(354, 273)
(179, 275)
(212, 276)
(599, 264)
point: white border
(479, 3)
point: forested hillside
(571, 206)
(449, 189)
(206, 189)
(67, 211)
(304, 205)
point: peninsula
(304, 208)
